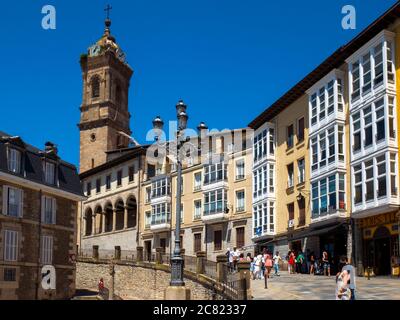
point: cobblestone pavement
(306, 287)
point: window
(340, 95)
(161, 188)
(261, 144)
(340, 143)
(161, 213)
(321, 98)
(302, 211)
(49, 210)
(358, 187)
(290, 207)
(300, 130)
(366, 65)
(49, 172)
(215, 202)
(314, 147)
(290, 135)
(381, 171)
(108, 182)
(322, 148)
(95, 87)
(240, 167)
(148, 194)
(271, 178)
(315, 200)
(147, 222)
(88, 188)
(197, 242)
(263, 218)
(131, 173)
(10, 274)
(392, 108)
(290, 170)
(10, 246)
(197, 181)
(197, 209)
(240, 201)
(301, 170)
(240, 237)
(217, 240)
(46, 252)
(393, 177)
(119, 178)
(14, 160)
(331, 97)
(271, 141)
(380, 120)
(314, 109)
(355, 74)
(390, 65)
(98, 185)
(215, 172)
(261, 180)
(13, 202)
(378, 58)
(356, 132)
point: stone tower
(104, 109)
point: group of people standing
(262, 264)
(308, 264)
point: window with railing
(13, 205)
(197, 210)
(240, 169)
(215, 173)
(197, 181)
(290, 136)
(215, 202)
(240, 201)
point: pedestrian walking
(248, 257)
(291, 262)
(351, 276)
(268, 264)
(299, 262)
(277, 258)
(326, 264)
(101, 287)
(235, 258)
(312, 263)
(343, 291)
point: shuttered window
(46, 252)
(10, 245)
(49, 207)
(13, 202)
(217, 240)
(240, 237)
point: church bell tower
(104, 109)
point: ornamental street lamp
(176, 260)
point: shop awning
(315, 232)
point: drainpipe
(39, 247)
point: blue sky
(228, 59)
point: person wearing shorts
(325, 264)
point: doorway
(147, 246)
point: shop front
(380, 243)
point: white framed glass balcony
(264, 219)
(374, 183)
(160, 217)
(328, 197)
(161, 190)
(215, 206)
(264, 143)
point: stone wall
(133, 282)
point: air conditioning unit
(291, 223)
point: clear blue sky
(228, 59)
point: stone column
(126, 217)
(114, 225)
(222, 267)
(201, 256)
(350, 243)
(139, 254)
(244, 271)
(93, 224)
(103, 225)
(112, 282)
(159, 255)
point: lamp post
(177, 290)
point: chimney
(50, 147)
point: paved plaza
(306, 287)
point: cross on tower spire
(108, 9)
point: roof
(126, 155)
(334, 61)
(67, 173)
